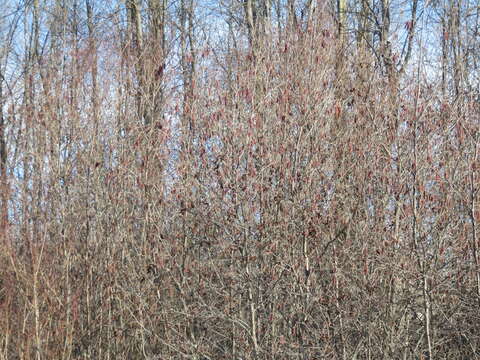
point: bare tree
(205, 181)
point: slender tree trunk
(4, 187)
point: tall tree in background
(150, 52)
(7, 33)
(257, 20)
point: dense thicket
(239, 180)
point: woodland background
(239, 179)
